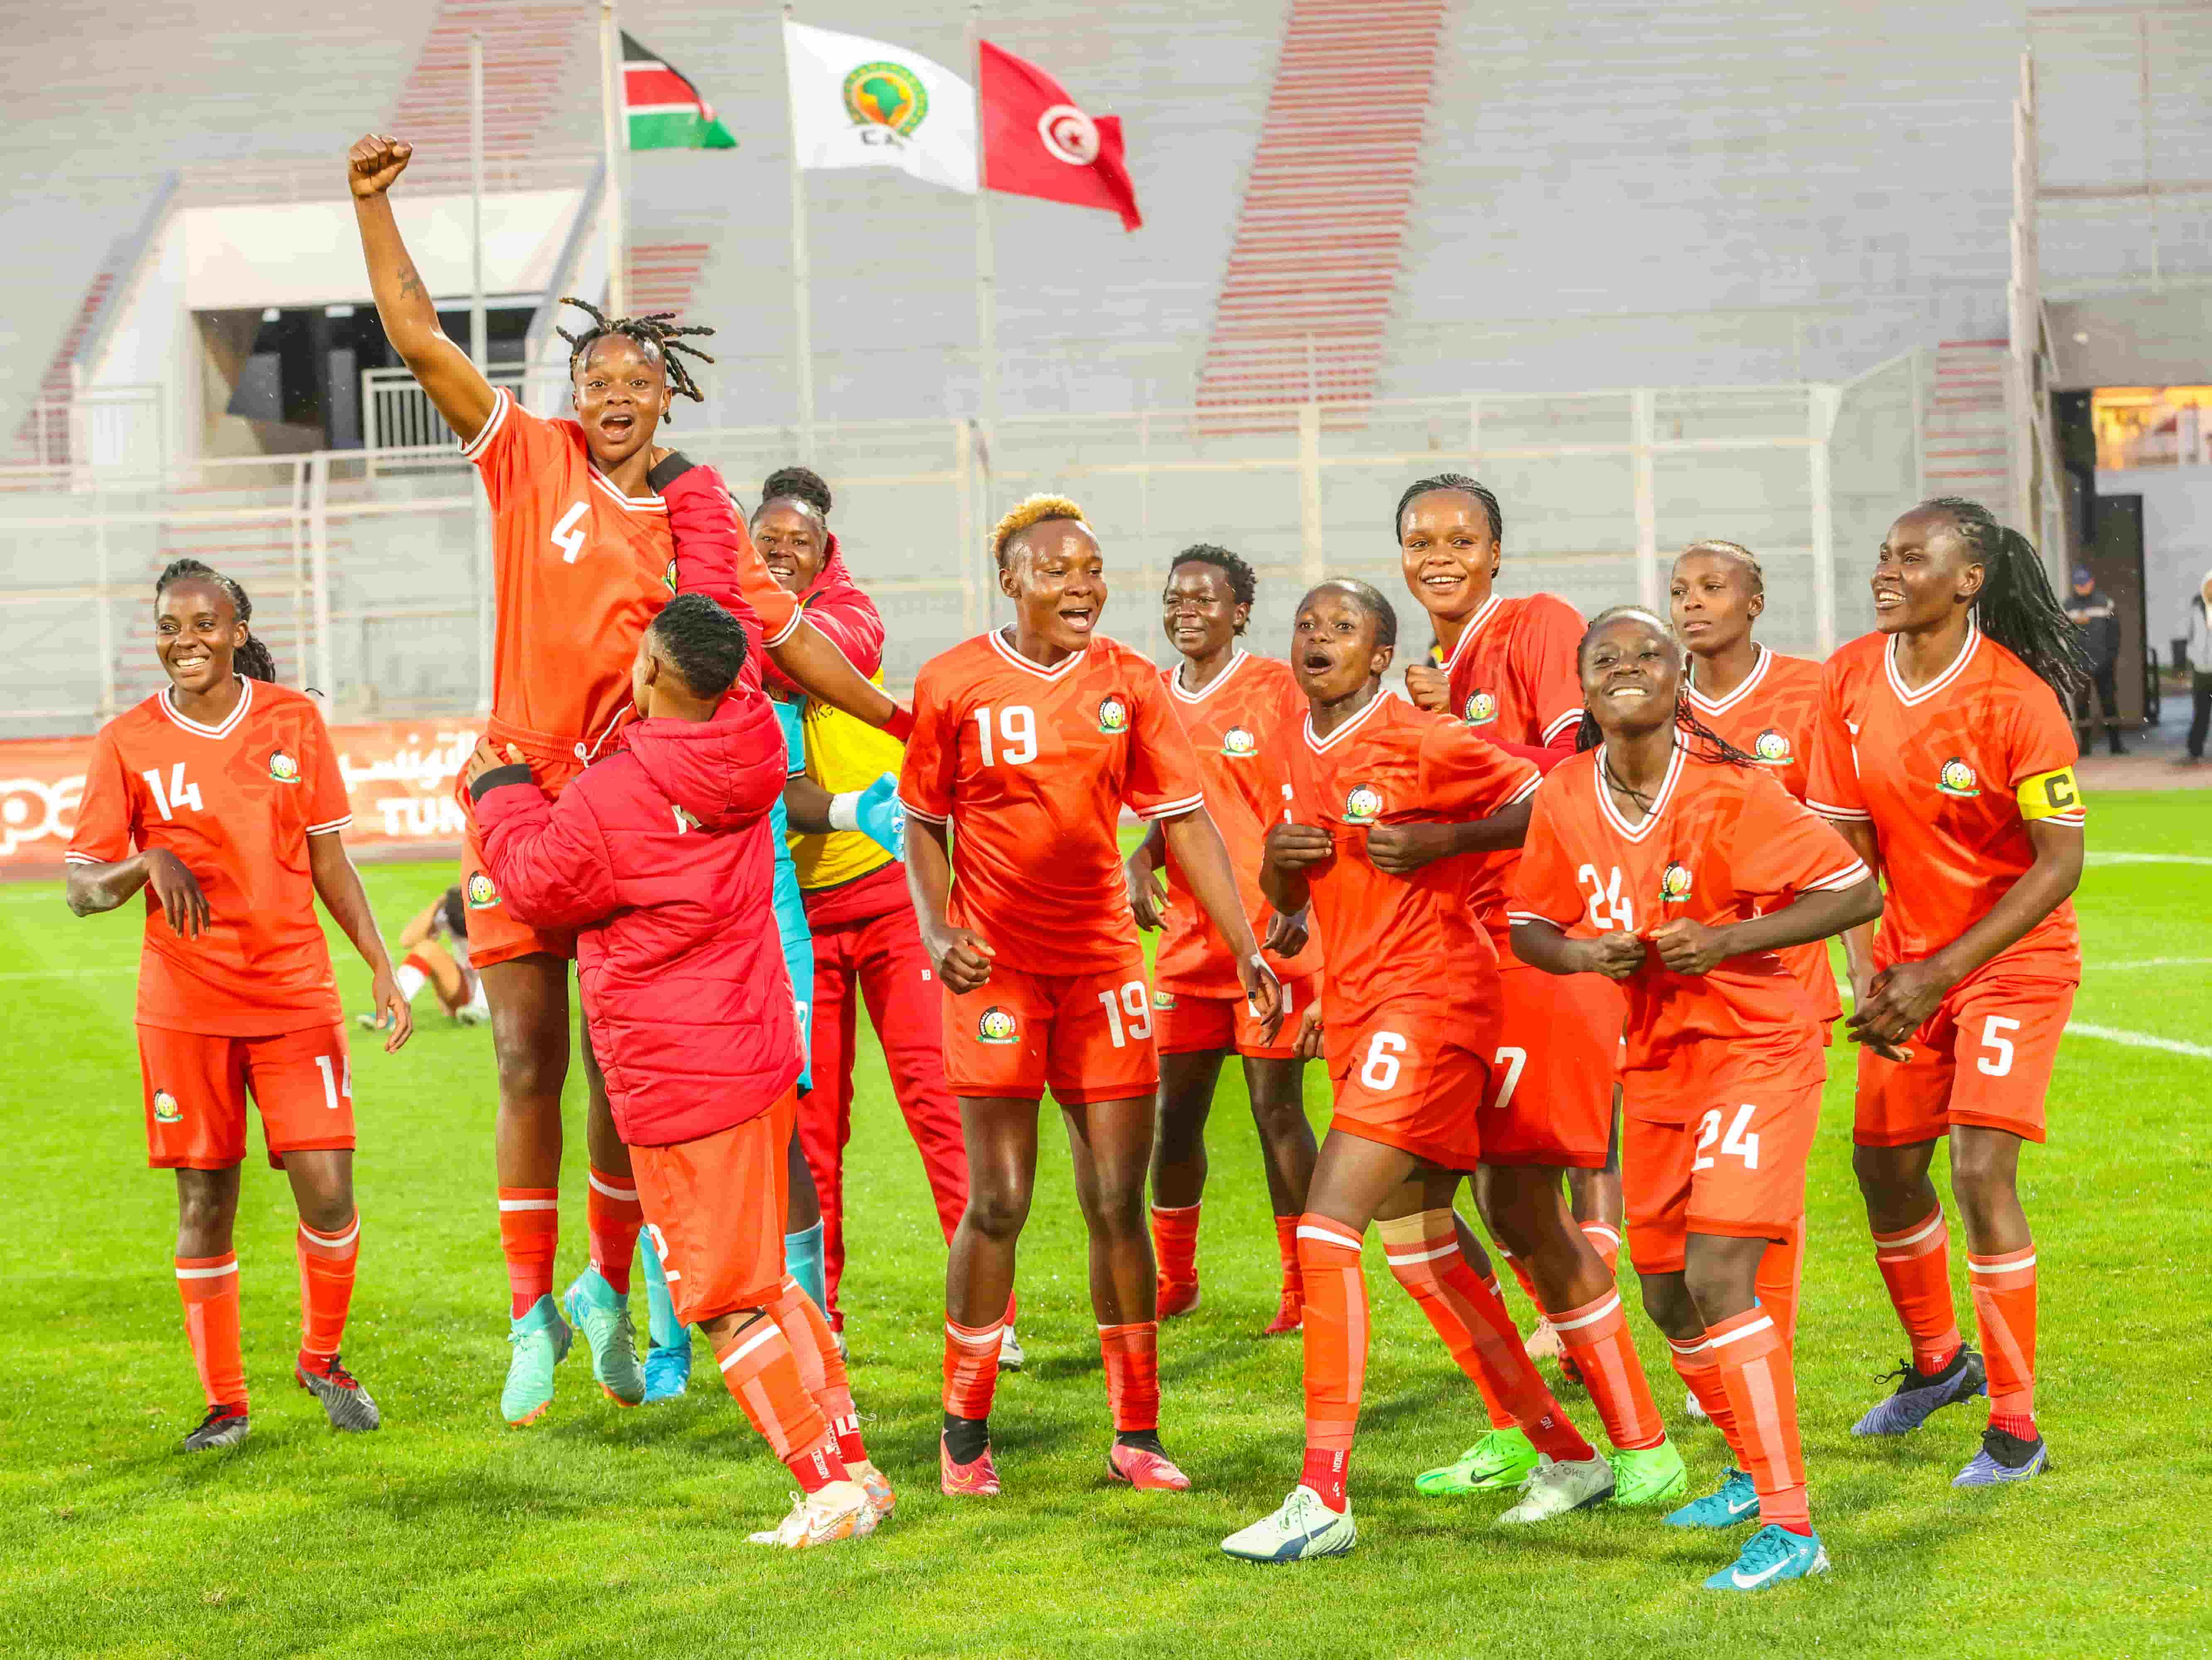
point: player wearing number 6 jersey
(1946, 755)
(225, 784)
(1670, 862)
(1409, 1026)
(1027, 743)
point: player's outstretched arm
(453, 384)
(1194, 841)
(96, 888)
(337, 884)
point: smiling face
(621, 392)
(1057, 577)
(197, 633)
(1711, 601)
(792, 543)
(1632, 676)
(1332, 648)
(1925, 573)
(1199, 609)
(1449, 555)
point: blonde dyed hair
(1032, 511)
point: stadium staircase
(662, 275)
(534, 54)
(1963, 424)
(1306, 297)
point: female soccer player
(1510, 676)
(1239, 710)
(436, 942)
(227, 786)
(1946, 754)
(1409, 1016)
(1028, 741)
(585, 556)
(1667, 861)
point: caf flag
(1038, 140)
(664, 109)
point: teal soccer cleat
(540, 1340)
(1730, 1505)
(603, 1317)
(1772, 1556)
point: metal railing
(98, 428)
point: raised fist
(374, 162)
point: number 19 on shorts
(1128, 1014)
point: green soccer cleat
(1653, 1476)
(1732, 1504)
(1302, 1529)
(1500, 1461)
(603, 1318)
(540, 1340)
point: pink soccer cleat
(1290, 1315)
(1174, 1300)
(1144, 1468)
(975, 1480)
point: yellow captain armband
(2049, 795)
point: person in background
(436, 942)
(2098, 621)
(2199, 654)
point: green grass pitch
(601, 1529)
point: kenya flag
(664, 109)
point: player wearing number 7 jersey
(1668, 862)
(227, 787)
(1945, 755)
(1027, 743)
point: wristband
(845, 811)
(901, 724)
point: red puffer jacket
(659, 856)
(834, 603)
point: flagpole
(986, 270)
(802, 275)
(614, 139)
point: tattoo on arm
(410, 285)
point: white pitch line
(2145, 858)
(2138, 1040)
(2150, 962)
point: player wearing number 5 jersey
(227, 786)
(1027, 744)
(1946, 756)
(1670, 862)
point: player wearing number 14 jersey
(1027, 744)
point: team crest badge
(1481, 709)
(166, 1110)
(282, 767)
(886, 102)
(1113, 715)
(480, 894)
(1163, 1000)
(1363, 804)
(1675, 882)
(1238, 743)
(1771, 747)
(1957, 778)
(668, 576)
(996, 1025)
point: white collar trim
(1942, 683)
(1474, 625)
(998, 644)
(230, 720)
(1175, 679)
(1722, 706)
(1318, 745)
(1637, 831)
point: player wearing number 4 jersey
(1945, 755)
(228, 788)
(1668, 862)
(1027, 744)
(1409, 1026)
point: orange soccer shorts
(714, 1208)
(496, 933)
(196, 1084)
(1407, 1079)
(1983, 1058)
(1085, 1037)
(1185, 1025)
(1558, 1055)
(1716, 1142)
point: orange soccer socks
(972, 1369)
(209, 1286)
(1781, 1273)
(1596, 1338)
(1287, 1252)
(326, 1272)
(1131, 1356)
(1335, 1341)
(821, 1368)
(612, 1216)
(1175, 1244)
(1915, 1265)
(1695, 1365)
(1605, 1240)
(761, 1371)
(2004, 1317)
(1761, 1384)
(529, 1234)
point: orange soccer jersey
(1775, 716)
(1250, 710)
(1514, 679)
(236, 803)
(1032, 766)
(1950, 777)
(1721, 844)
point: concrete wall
(2176, 540)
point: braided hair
(1243, 583)
(797, 484)
(252, 660)
(1701, 740)
(1755, 578)
(2016, 608)
(657, 330)
(1421, 486)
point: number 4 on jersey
(178, 796)
(569, 534)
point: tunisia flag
(1037, 142)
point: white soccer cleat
(1544, 1342)
(1694, 1410)
(841, 1511)
(1554, 1489)
(1010, 1350)
(1303, 1528)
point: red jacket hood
(840, 608)
(721, 772)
